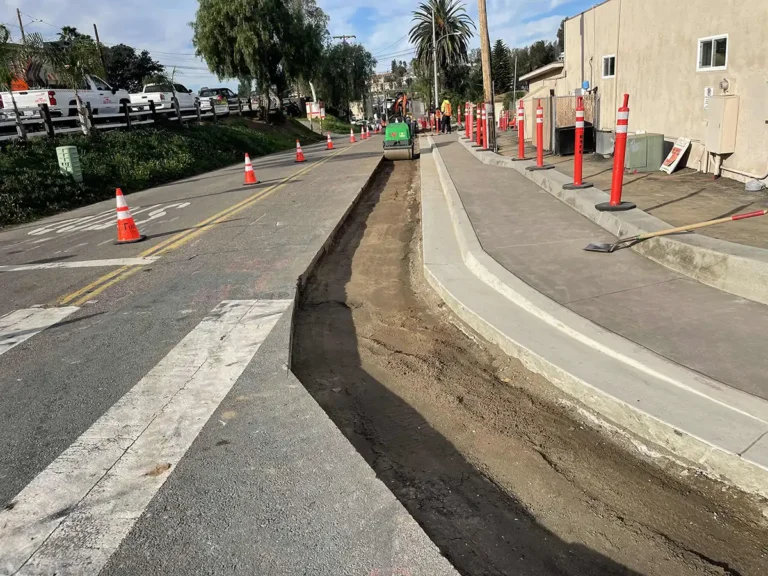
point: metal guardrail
(40, 122)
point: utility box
(69, 162)
(722, 118)
(645, 152)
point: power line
(395, 54)
(35, 19)
(393, 44)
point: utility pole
(485, 49)
(434, 53)
(344, 38)
(21, 25)
(101, 50)
(514, 82)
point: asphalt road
(115, 378)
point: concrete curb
(734, 268)
(653, 398)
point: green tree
(501, 67)
(453, 31)
(542, 53)
(272, 41)
(244, 87)
(561, 36)
(73, 58)
(126, 69)
(10, 57)
(344, 75)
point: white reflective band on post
(579, 114)
(539, 120)
(622, 116)
(621, 129)
(579, 124)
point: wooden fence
(39, 121)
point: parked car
(223, 97)
(163, 96)
(102, 97)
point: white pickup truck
(162, 95)
(61, 100)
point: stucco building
(679, 62)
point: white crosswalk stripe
(21, 325)
(72, 517)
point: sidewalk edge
(734, 268)
(714, 460)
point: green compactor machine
(400, 134)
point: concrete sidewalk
(614, 330)
(737, 268)
(680, 198)
(541, 240)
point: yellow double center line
(81, 296)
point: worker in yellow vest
(445, 108)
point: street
(111, 370)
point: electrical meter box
(645, 152)
(722, 118)
(69, 162)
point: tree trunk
(485, 50)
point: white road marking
(72, 517)
(21, 325)
(105, 219)
(80, 264)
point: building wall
(656, 47)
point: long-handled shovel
(632, 240)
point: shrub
(32, 186)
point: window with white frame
(609, 66)
(713, 53)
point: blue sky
(161, 26)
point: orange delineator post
(619, 152)
(520, 132)
(479, 121)
(578, 150)
(470, 121)
(540, 140)
(485, 127)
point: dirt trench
(489, 458)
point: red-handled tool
(639, 238)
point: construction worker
(446, 110)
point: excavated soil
(492, 460)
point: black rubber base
(299, 161)
(520, 159)
(535, 168)
(572, 186)
(621, 206)
(252, 183)
(139, 239)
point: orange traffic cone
(352, 136)
(299, 153)
(250, 175)
(362, 133)
(127, 233)
(329, 144)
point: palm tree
(453, 30)
(12, 66)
